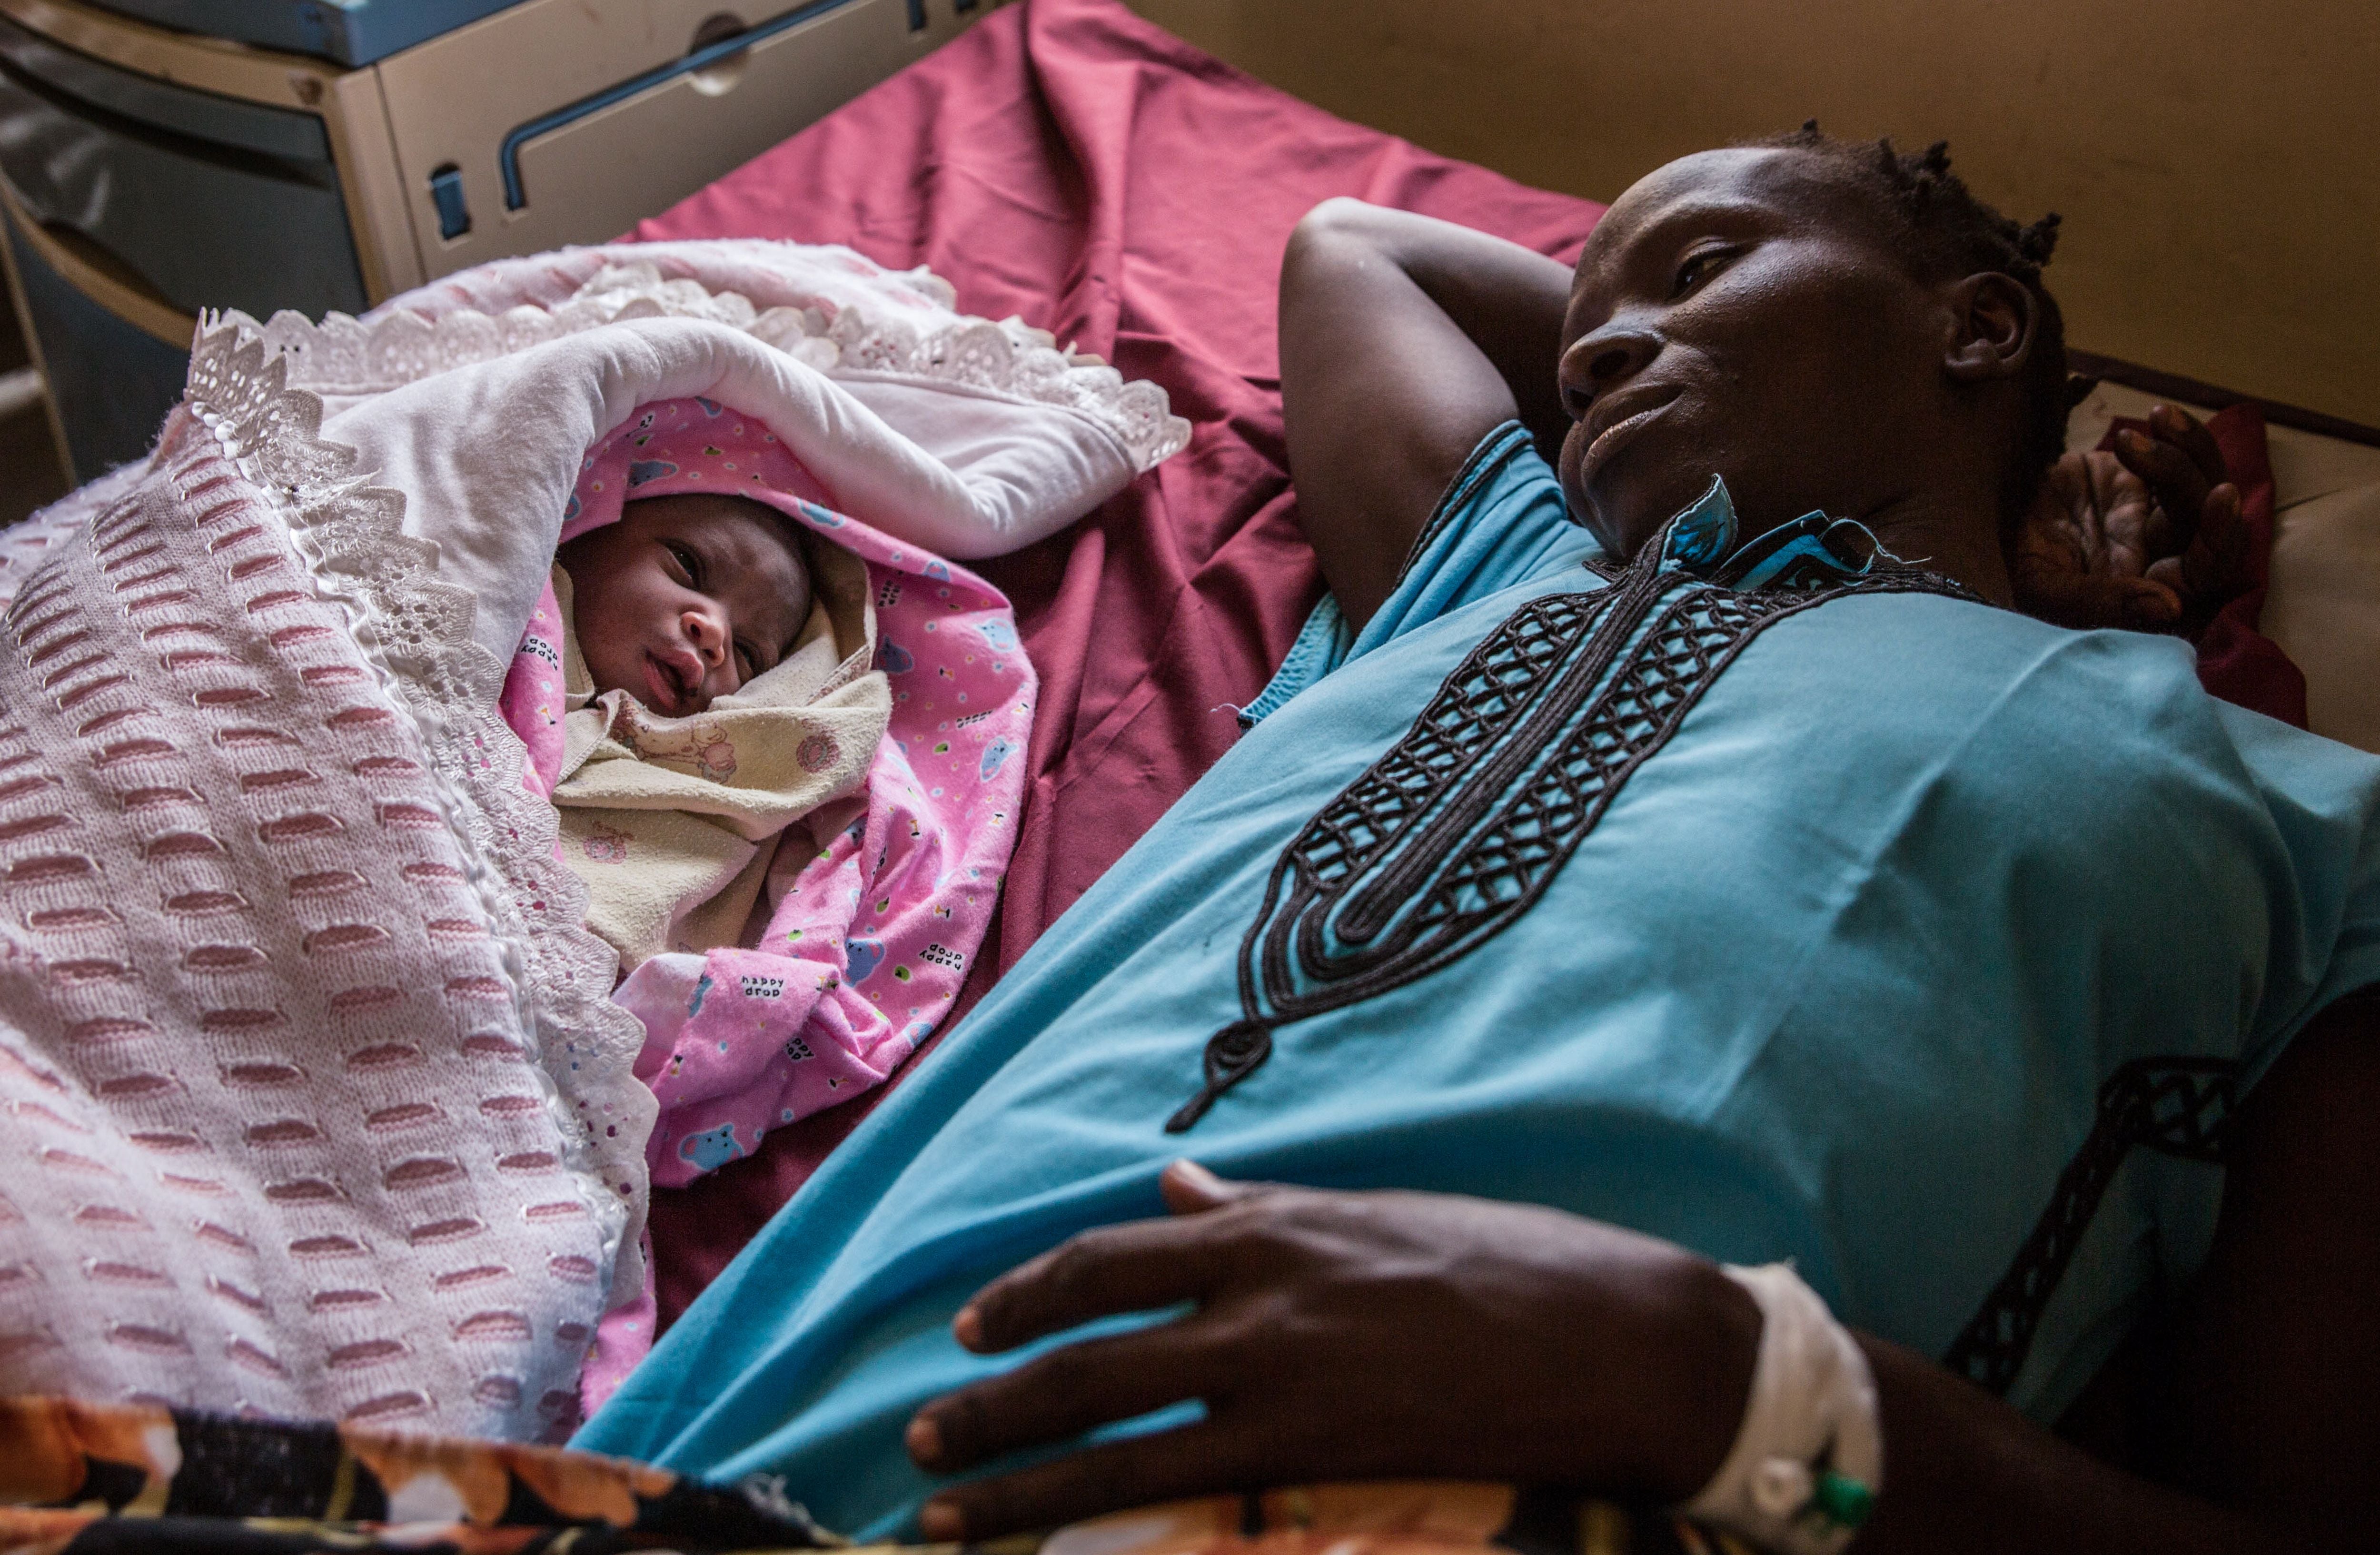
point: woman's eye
(1697, 267)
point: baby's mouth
(672, 692)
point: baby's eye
(747, 661)
(688, 560)
(1698, 267)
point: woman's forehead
(1786, 186)
(1749, 178)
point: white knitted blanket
(311, 1079)
(313, 1101)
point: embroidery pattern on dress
(1456, 831)
(2175, 1106)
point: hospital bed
(1074, 165)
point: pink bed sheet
(1068, 162)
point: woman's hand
(2149, 538)
(1346, 1336)
(1369, 1335)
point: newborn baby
(687, 598)
(710, 681)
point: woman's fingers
(2217, 567)
(1167, 1465)
(2085, 547)
(2179, 427)
(2127, 518)
(2180, 462)
(1190, 1189)
(1129, 1267)
(1062, 1395)
(2146, 605)
(2177, 483)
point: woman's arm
(1404, 340)
(1370, 1335)
(2271, 1409)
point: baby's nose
(709, 635)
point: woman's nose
(1602, 361)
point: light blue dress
(1776, 904)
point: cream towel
(673, 822)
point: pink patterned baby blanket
(875, 908)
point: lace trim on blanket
(416, 632)
(345, 356)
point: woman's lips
(1613, 438)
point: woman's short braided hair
(1947, 233)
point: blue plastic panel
(351, 31)
(226, 121)
(215, 203)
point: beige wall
(2217, 162)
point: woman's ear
(1991, 326)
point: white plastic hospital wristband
(1809, 1459)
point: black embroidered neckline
(1456, 831)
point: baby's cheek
(601, 643)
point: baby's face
(685, 598)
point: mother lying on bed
(1634, 905)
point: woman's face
(1740, 313)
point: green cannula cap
(1842, 1499)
